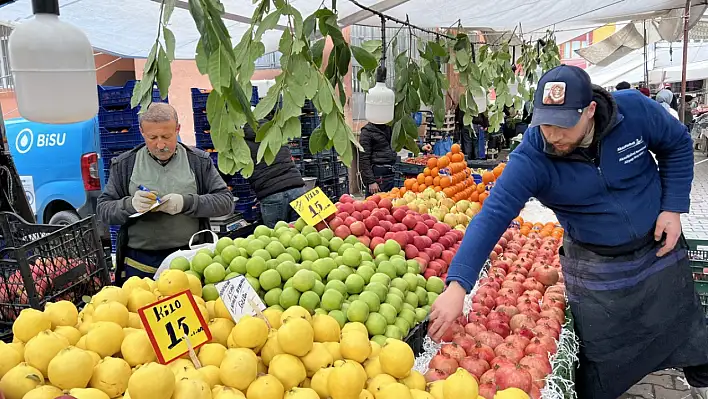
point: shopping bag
(187, 253)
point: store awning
(128, 27)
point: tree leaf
(408, 125)
(324, 97)
(266, 105)
(463, 59)
(308, 26)
(344, 57)
(331, 124)
(292, 128)
(219, 70)
(318, 140)
(268, 23)
(364, 58)
(396, 132)
(236, 99)
(317, 50)
(226, 164)
(164, 73)
(201, 59)
(311, 84)
(170, 42)
(169, 7)
(438, 50)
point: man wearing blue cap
(586, 155)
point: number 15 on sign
(313, 206)
(167, 323)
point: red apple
(358, 229)
(342, 232)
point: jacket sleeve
(519, 182)
(218, 200)
(669, 139)
(367, 173)
(113, 208)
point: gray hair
(158, 113)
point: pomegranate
(531, 284)
(464, 341)
(516, 278)
(484, 299)
(505, 300)
(558, 289)
(443, 363)
(552, 312)
(538, 362)
(520, 321)
(534, 315)
(499, 326)
(478, 307)
(546, 275)
(549, 343)
(482, 351)
(560, 304)
(435, 375)
(519, 341)
(473, 328)
(487, 289)
(488, 377)
(497, 270)
(477, 317)
(489, 282)
(546, 331)
(509, 351)
(453, 351)
(518, 267)
(499, 362)
(508, 309)
(493, 256)
(489, 338)
(552, 323)
(487, 391)
(499, 316)
(508, 291)
(513, 377)
(525, 332)
(475, 366)
(534, 294)
(525, 303)
(502, 263)
(535, 392)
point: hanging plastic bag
(187, 253)
(442, 147)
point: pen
(143, 188)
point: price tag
(240, 298)
(314, 206)
(169, 320)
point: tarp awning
(128, 27)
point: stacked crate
(331, 174)
(246, 204)
(119, 130)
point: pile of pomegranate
(512, 329)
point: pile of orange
(544, 230)
(450, 174)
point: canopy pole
(646, 58)
(682, 106)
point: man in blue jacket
(587, 157)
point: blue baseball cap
(561, 95)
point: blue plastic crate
(309, 107)
(120, 139)
(201, 123)
(308, 123)
(238, 179)
(113, 230)
(119, 97)
(199, 99)
(254, 95)
(250, 210)
(477, 178)
(117, 119)
(203, 141)
(106, 156)
(243, 199)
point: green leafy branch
(495, 67)
(367, 74)
(158, 63)
(433, 83)
(470, 76)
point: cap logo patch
(554, 93)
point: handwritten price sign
(240, 298)
(314, 206)
(169, 321)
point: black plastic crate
(408, 169)
(251, 211)
(308, 123)
(120, 139)
(340, 169)
(329, 189)
(320, 168)
(416, 337)
(309, 107)
(114, 97)
(48, 263)
(341, 186)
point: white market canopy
(127, 28)
(661, 57)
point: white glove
(143, 200)
(172, 204)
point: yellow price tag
(169, 320)
(313, 206)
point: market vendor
(624, 259)
(277, 184)
(186, 181)
(378, 158)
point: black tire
(64, 218)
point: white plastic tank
(54, 69)
(380, 102)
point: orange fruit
(409, 183)
(456, 157)
(432, 162)
(483, 197)
(481, 188)
(448, 192)
(445, 181)
(497, 171)
(474, 196)
(434, 172)
(429, 180)
(437, 189)
(443, 161)
(421, 188)
(421, 178)
(455, 149)
(426, 171)
(414, 188)
(402, 190)
(488, 177)
(436, 180)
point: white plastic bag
(187, 253)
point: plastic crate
(119, 97)
(203, 141)
(409, 169)
(199, 99)
(251, 211)
(416, 336)
(342, 187)
(319, 168)
(107, 155)
(254, 95)
(309, 107)
(47, 263)
(113, 231)
(308, 123)
(117, 119)
(340, 169)
(201, 123)
(329, 190)
(123, 139)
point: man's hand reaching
(446, 309)
(668, 223)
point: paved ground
(670, 384)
